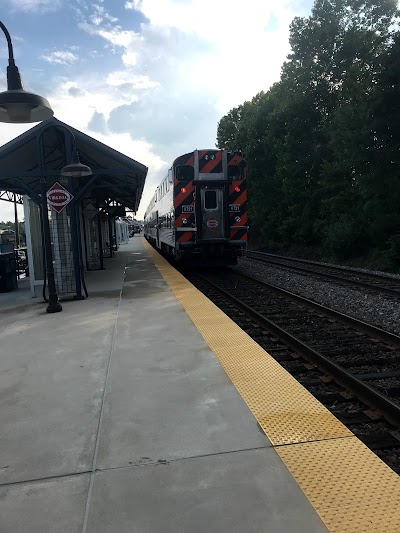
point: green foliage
(393, 253)
(323, 144)
(344, 238)
(11, 226)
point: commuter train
(198, 213)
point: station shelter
(92, 225)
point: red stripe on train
(186, 236)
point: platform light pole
(17, 105)
(74, 169)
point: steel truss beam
(8, 196)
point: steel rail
(277, 260)
(366, 393)
(366, 328)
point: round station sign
(58, 197)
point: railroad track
(367, 280)
(350, 366)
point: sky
(150, 78)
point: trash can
(8, 272)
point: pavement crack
(45, 478)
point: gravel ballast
(376, 309)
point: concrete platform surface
(117, 417)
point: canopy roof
(117, 177)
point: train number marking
(234, 208)
(187, 209)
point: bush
(393, 252)
(344, 239)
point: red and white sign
(212, 223)
(58, 197)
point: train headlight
(184, 220)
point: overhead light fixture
(16, 105)
(76, 168)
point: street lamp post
(54, 305)
(16, 105)
(74, 169)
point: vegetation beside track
(323, 144)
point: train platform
(145, 409)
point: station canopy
(116, 177)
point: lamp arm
(14, 82)
(9, 43)
(59, 127)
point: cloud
(11, 131)
(60, 57)
(194, 62)
(7, 212)
(75, 91)
(203, 42)
(249, 42)
(139, 150)
(100, 15)
(98, 123)
(40, 6)
(134, 4)
(6, 134)
(135, 81)
(169, 71)
(88, 96)
(115, 36)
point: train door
(157, 230)
(212, 212)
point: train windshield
(235, 171)
(184, 172)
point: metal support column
(115, 234)
(85, 241)
(75, 243)
(110, 235)
(17, 243)
(100, 236)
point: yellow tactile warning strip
(349, 486)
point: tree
(314, 142)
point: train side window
(210, 199)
